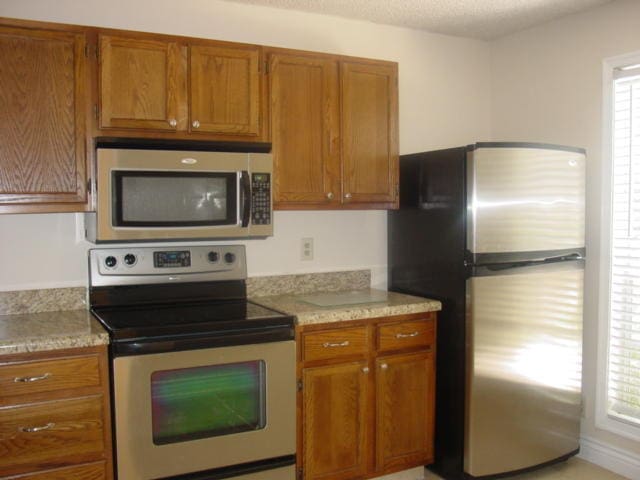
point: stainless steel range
(203, 380)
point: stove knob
(130, 259)
(213, 257)
(110, 261)
(229, 257)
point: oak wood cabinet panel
(141, 83)
(91, 471)
(166, 87)
(334, 123)
(305, 127)
(58, 425)
(224, 89)
(335, 418)
(43, 111)
(384, 389)
(369, 132)
(405, 390)
(335, 344)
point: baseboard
(622, 462)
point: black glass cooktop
(180, 322)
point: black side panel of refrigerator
(426, 242)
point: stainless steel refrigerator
(495, 231)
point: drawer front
(398, 336)
(344, 342)
(50, 434)
(26, 378)
(90, 471)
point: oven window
(201, 402)
(164, 199)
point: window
(619, 388)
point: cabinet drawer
(398, 336)
(27, 378)
(50, 434)
(90, 471)
(337, 343)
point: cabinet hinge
(86, 50)
(89, 186)
(299, 385)
(300, 474)
(95, 110)
(397, 190)
(266, 66)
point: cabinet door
(42, 120)
(141, 84)
(369, 133)
(335, 417)
(305, 126)
(224, 90)
(405, 410)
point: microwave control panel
(261, 198)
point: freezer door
(524, 200)
(524, 359)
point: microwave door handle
(245, 198)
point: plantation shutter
(624, 335)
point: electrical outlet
(306, 249)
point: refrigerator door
(524, 354)
(524, 202)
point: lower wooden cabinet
(366, 397)
(54, 415)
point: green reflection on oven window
(200, 402)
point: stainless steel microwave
(146, 195)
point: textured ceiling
(483, 19)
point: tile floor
(574, 469)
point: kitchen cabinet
(366, 396)
(179, 88)
(334, 124)
(55, 415)
(43, 112)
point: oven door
(195, 410)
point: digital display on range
(177, 259)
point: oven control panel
(175, 259)
(144, 265)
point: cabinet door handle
(384, 366)
(365, 370)
(195, 124)
(173, 122)
(332, 345)
(31, 379)
(330, 196)
(37, 429)
(407, 335)
(347, 196)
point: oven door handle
(245, 198)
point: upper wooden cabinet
(42, 120)
(369, 132)
(141, 84)
(303, 94)
(224, 90)
(152, 85)
(334, 131)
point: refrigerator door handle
(530, 263)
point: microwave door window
(161, 199)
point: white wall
(444, 101)
(547, 84)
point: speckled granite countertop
(35, 332)
(384, 304)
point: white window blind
(623, 386)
